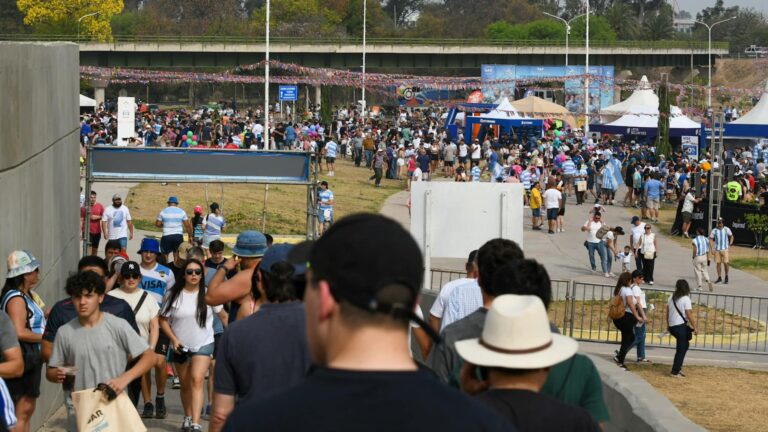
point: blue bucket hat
(173, 200)
(277, 253)
(149, 245)
(250, 244)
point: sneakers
(719, 280)
(726, 280)
(677, 375)
(550, 232)
(186, 425)
(160, 411)
(176, 383)
(651, 282)
(196, 428)
(149, 410)
(607, 275)
(698, 288)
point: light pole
(80, 20)
(365, 18)
(267, 140)
(709, 82)
(567, 32)
(586, 78)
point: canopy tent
(501, 123)
(506, 107)
(644, 121)
(752, 124)
(85, 101)
(643, 96)
(536, 107)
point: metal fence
(728, 323)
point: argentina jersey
(173, 219)
(156, 281)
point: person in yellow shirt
(535, 204)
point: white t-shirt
(552, 198)
(440, 302)
(609, 236)
(183, 319)
(117, 221)
(637, 233)
(477, 151)
(592, 233)
(626, 291)
(688, 203)
(463, 150)
(638, 292)
(684, 304)
(149, 309)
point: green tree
(11, 19)
(47, 15)
(402, 11)
(758, 224)
(623, 20)
(297, 18)
(599, 29)
(657, 25)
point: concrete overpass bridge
(382, 54)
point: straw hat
(517, 335)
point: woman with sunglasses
(188, 322)
(146, 311)
(29, 321)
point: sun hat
(279, 252)
(250, 244)
(149, 245)
(517, 335)
(21, 262)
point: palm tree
(623, 20)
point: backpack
(616, 307)
(602, 231)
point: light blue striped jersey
(37, 319)
(156, 281)
(720, 237)
(702, 245)
(476, 173)
(330, 149)
(214, 225)
(7, 409)
(173, 219)
(325, 196)
(569, 168)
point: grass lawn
(742, 258)
(718, 399)
(243, 204)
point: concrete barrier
(635, 405)
(39, 176)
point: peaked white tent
(643, 96)
(754, 123)
(644, 120)
(87, 102)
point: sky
(695, 6)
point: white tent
(758, 115)
(506, 106)
(643, 96)
(87, 102)
(644, 120)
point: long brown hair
(175, 291)
(682, 289)
(624, 280)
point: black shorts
(216, 339)
(163, 344)
(561, 212)
(687, 216)
(330, 159)
(25, 385)
(170, 243)
(475, 162)
(433, 157)
(552, 213)
(94, 239)
(462, 159)
(448, 163)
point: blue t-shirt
(173, 219)
(330, 149)
(156, 281)
(653, 187)
(325, 197)
(290, 133)
(213, 225)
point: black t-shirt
(64, 312)
(535, 412)
(178, 275)
(345, 400)
(263, 353)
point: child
(197, 226)
(626, 258)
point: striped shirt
(720, 237)
(475, 173)
(569, 168)
(6, 406)
(173, 219)
(35, 315)
(156, 281)
(702, 245)
(213, 225)
(463, 300)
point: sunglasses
(132, 276)
(191, 272)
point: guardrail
(725, 322)
(662, 44)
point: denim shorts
(123, 242)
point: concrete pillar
(192, 95)
(318, 95)
(99, 88)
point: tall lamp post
(81, 20)
(567, 31)
(267, 140)
(365, 18)
(709, 30)
(586, 77)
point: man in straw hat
(514, 355)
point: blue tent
(521, 126)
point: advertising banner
(126, 120)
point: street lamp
(81, 19)
(365, 16)
(709, 30)
(586, 76)
(567, 31)
(266, 137)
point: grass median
(243, 204)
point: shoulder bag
(689, 330)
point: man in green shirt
(733, 189)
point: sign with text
(288, 93)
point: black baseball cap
(130, 268)
(361, 255)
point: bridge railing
(662, 44)
(725, 322)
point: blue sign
(289, 93)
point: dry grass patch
(718, 399)
(243, 204)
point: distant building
(683, 25)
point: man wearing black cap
(363, 280)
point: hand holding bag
(99, 409)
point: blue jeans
(639, 341)
(608, 261)
(368, 158)
(600, 248)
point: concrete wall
(39, 175)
